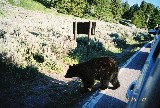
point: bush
(39, 58)
(119, 41)
(95, 49)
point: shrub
(38, 57)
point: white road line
(98, 94)
(94, 99)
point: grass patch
(30, 5)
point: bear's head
(71, 72)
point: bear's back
(102, 63)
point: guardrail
(138, 97)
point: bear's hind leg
(104, 84)
(115, 83)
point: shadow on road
(104, 101)
(109, 102)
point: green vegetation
(16, 74)
(121, 48)
(30, 5)
(100, 9)
(144, 16)
(69, 60)
(116, 9)
(104, 9)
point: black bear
(103, 69)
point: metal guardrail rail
(145, 85)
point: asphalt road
(128, 73)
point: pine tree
(78, 7)
(132, 10)
(73, 7)
(116, 9)
(126, 8)
(102, 9)
(143, 6)
(63, 6)
(138, 19)
(150, 9)
(155, 18)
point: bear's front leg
(88, 84)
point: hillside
(36, 49)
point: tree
(150, 9)
(143, 6)
(132, 10)
(78, 7)
(73, 7)
(63, 6)
(155, 18)
(138, 19)
(126, 8)
(102, 9)
(116, 9)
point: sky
(154, 2)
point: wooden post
(89, 35)
(75, 31)
(75, 34)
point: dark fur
(103, 69)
